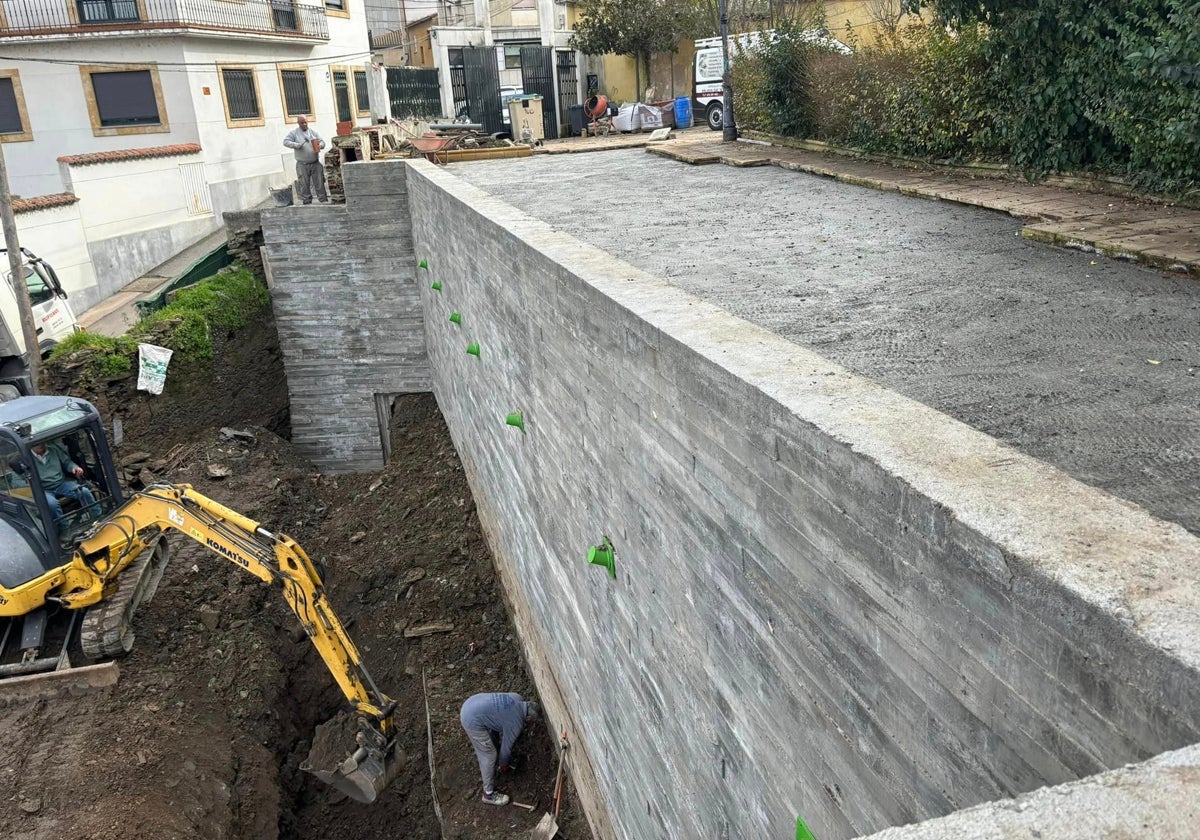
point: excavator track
(107, 629)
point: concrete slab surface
(1089, 364)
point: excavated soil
(216, 706)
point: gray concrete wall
(832, 602)
(347, 310)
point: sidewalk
(115, 315)
(1157, 235)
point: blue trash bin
(683, 112)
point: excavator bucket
(362, 776)
(361, 772)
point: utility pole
(17, 265)
(404, 35)
(729, 132)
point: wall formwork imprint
(830, 602)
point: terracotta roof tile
(42, 202)
(130, 154)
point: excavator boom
(102, 559)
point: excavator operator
(60, 477)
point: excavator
(89, 559)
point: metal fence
(275, 17)
(414, 92)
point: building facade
(156, 116)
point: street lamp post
(729, 132)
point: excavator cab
(43, 442)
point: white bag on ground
(626, 118)
(152, 367)
(649, 117)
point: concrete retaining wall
(831, 602)
(346, 306)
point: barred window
(296, 97)
(241, 94)
(360, 90)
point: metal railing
(26, 18)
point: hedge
(1045, 85)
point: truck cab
(33, 539)
(53, 317)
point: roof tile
(42, 202)
(130, 154)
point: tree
(636, 28)
(886, 13)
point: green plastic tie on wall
(517, 418)
(604, 555)
(436, 285)
(423, 264)
(455, 318)
(802, 832)
(473, 350)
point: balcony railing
(32, 18)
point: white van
(52, 314)
(707, 95)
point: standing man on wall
(310, 174)
(493, 721)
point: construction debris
(428, 630)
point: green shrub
(221, 302)
(924, 93)
(1045, 85)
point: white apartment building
(144, 120)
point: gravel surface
(1084, 362)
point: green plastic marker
(602, 555)
(455, 318)
(436, 285)
(517, 419)
(473, 350)
(802, 832)
(423, 264)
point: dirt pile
(204, 735)
(244, 384)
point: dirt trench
(217, 704)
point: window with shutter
(10, 109)
(125, 98)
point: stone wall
(347, 310)
(831, 603)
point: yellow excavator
(73, 544)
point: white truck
(52, 317)
(707, 95)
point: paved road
(1048, 350)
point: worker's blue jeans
(71, 490)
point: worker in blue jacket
(493, 722)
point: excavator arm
(276, 560)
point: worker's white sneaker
(496, 798)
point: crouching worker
(493, 722)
